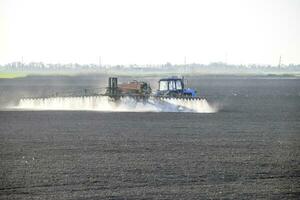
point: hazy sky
(150, 31)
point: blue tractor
(174, 87)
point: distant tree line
(215, 67)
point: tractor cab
(174, 87)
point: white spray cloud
(105, 104)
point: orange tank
(134, 87)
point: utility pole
(22, 63)
(100, 64)
(279, 63)
(185, 67)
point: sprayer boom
(168, 89)
(132, 96)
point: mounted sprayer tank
(132, 88)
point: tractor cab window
(178, 85)
(172, 85)
(163, 85)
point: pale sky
(150, 31)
